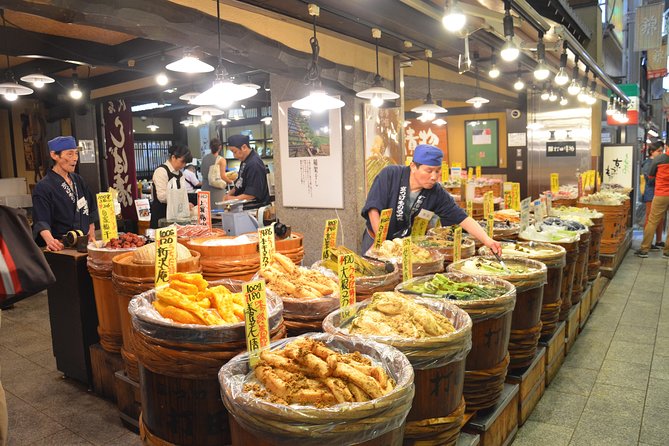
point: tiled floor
(613, 388)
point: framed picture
(382, 140)
(482, 142)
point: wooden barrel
(366, 286)
(238, 261)
(442, 241)
(179, 365)
(526, 319)
(379, 422)
(487, 361)
(614, 222)
(581, 272)
(292, 247)
(596, 231)
(435, 264)
(557, 202)
(501, 231)
(99, 264)
(129, 279)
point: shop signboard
(617, 163)
(561, 148)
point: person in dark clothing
(61, 200)
(178, 157)
(252, 181)
(654, 151)
(409, 189)
(659, 176)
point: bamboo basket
(366, 286)
(238, 262)
(434, 265)
(444, 245)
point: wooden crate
(611, 262)
(498, 425)
(531, 382)
(103, 366)
(555, 347)
(584, 312)
(128, 400)
(598, 287)
(572, 327)
(466, 439)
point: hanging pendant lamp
(377, 93)
(477, 101)
(11, 89)
(428, 110)
(206, 113)
(189, 64)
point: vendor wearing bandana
(61, 200)
(409, 189)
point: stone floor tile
(587, 354)
(559, 409)
(663, 329)
(624, 374)
(127, 439)
(27, 425)
(64, 438)
(44, 359)
(25, 341)
(630, 352)
(575, 380)
(605, 429)
(635, 333)
(654, 426)
(640, 315)
(658, 392)
(625, 402)
(661, 346)
(660, 368)
(534, 433)
(98, 427)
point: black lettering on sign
(561, 148)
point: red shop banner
(120, 151)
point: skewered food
(443, 287)
(288, 280)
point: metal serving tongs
(501, 262)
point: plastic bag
(214, 175)
(428, 353)
(553, 256)
(535, 276)
(347, 423)
(368, 285)
(177, 202)
(434, 265)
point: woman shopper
(178, 157)
(659, 175)
(214, 159)
(654, 150)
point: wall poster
(312, 172)
(382, 140)
(617, 165)
(418, 132)
(482, 142)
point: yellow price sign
(419, 227)
(347, 296)
(598, 182)
(555, 183)
(591, 179)
(329, 237)
(457, 244)
(458, 165)
(478, 171)
(107, 216)
(166, 255)
(515, 193)
(470, 208)
(266, 245)
(256, 318)
(470, 174)
(204, 209)
(408, 160)
(444, 172)
(507, 199)
(490, 225)
(382, 232)
(407, 266)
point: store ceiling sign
(632, 92)
(561, 148)
(648, 27)
(657, 62)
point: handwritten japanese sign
(204, 209)
(555, 183)
(478, 171)
(515, 193)
(266, 245)
(488, 204)
(490, 225)
(457, 244)
(256, 317)
(166, 254)
(107, 216)
(420, 223)
(444, 172)
(507, 199)
(407, 265)
(347, 295)
(382, 232)
(470, 208)
(329, 237)
(470, 174)
(525, 213)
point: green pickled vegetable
(441, 286)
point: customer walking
(659, 174)
(654, 150)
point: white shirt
(160, 181)
(190, 178)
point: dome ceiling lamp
(377, 93)
(477, 101)
(188, 97)
(206, 113)
(428, 110)
(38, 80)
(10, 89)
(189, 64)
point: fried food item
(391, 249)
(286, 279)
(176, 314)
(308, 372)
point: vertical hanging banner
(347, 295)
(204, 209)
(266, 245)
(382, 232)
(255, 315)
(657, 62)
(120, 151)
(329, 237)
(457, 244)
(648, 26)
(107, 216)
(555, 183)
(407, 264)
(166, 255)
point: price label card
(456, 173)
(490, 225)
(486, 205)
(491, 202)
(598, 182)
(470, 174)
(346, 285)
(420, 223)
(457, 244)
(507, 199)
(255, 315)
(458, 165)
(444, 172)
(329, 237)
(579, 180)
(470, 208)
(382, 232)
(538, 210)
(478, 171)
(549, 204)
(515, 193)
(407, 267)
(408, 160)
(525, 213)
(555, 183)
(463, 189)
(204, 209)
(107, 216)
(266, 245)
(591, 179)
(166, 255)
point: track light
(611, 107)
(561, 78)
(592, 94)
(583, 93)
(454, 19)
(574, 88)
(510, 51)
(552, 97)
(544, 93)
(162, 79)
(563, 100)
(519, 84)
(494, 71)
(541, 71)
(75, 92)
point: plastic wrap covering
(479, 309)
(604, 198)
(99, 260)
(346, 423)
(368, 285)
(147, 321)
(444, 246)
(435, 264)
(569, 211)
(501, 229)
(553, 256)
(550, 234)
(565, 223)
(534, 277)
(428, 353)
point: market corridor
(613, 388)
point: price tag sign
(478, 172)
(491, 202)
(166, 255)
(444, 172)
(525, 213)
(470, 208)
(346, 285)
(204, 209)
(580, 185)
(266, 245)
(420, 223)
(107, 216)
(591, 179)
(490, 225)
(507, 199)
(458, 165)
(538, 210)
(407, 267)
(555, 183)
(598, 182)
(329, 237)
(486, 205)
(257, 323)
(549, 204)
(463, 189)
(408, 160)
(457, 244)
(384, 223)
(456, 173)
(470, 174)
(515, 193)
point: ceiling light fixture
(510, 51)
(377, 93)
(592, 93)
(454, 19)
(317, 100)
(189, 64)
(477, 101)
(519, 84)
(541, 71)
(267, 120)
(563, 100)
(153, 127)
(75, 93)
(583, 93)
(544, 93)
(11, 89)
(611, 107)
(574, 88)
(38, 79)
(552, 97)
(562, 77)
(206, 113)
(428, 110)
(188, 97)
(224, 121)
(494, 71)
(162, 79)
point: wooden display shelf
(498, 425)
(128, 400)
(572, 327)
(555, 347)
(532, 383)
(586, 305)
(598, 287)
(103, 366)
(466, 439)
(611, 262)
